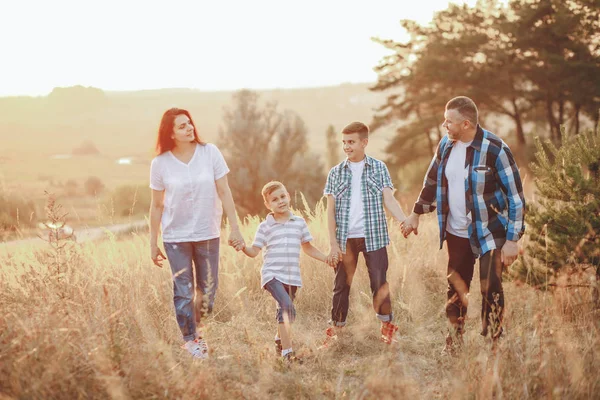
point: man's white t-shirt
(456, 174)
(192, 208)
(356, 227)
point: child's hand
(237, 244)
(332, 260)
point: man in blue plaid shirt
(475, 182)
(357, 190)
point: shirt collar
(368, 161)
(478, 139)
(271, 218)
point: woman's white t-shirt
(192, 208)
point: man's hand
(236, 240)
(509, 252)
(410, 224)
(157, 256)
(335, 255)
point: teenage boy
(357, 190)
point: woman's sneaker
(197, 348)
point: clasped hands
(236, 240)
(410, 225)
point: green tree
(564, 225)
(559, 46)
(262, 144)
(531, 61)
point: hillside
(125, 123)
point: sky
(205, 45)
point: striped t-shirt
(282, 242)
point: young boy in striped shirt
(282, 235)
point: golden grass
(105, 328)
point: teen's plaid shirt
(375, 177)
(493, 190)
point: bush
(15, 212)
(131, 200)
(93, 186)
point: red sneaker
(387, 332)
(331, 336)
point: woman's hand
(236, 240)
(157, 256)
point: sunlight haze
(226, 45)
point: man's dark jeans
(461, 263)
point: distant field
(37, 133)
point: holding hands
(236, 240)
(335, 255)
(410, 224)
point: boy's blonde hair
(271, 187)
(357, 127)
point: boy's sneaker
(197, 348)
(290, 358)
(453, 344)
(278, 347)
(387, 332)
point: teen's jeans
(189, 259)
(377, 266)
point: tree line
(535, 62)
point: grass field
(98, 322)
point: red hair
(164, 141)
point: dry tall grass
(99, 323)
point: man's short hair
(270, 188)
(465, 107)
(357, 127)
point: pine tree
(564, 224)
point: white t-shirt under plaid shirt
(282, 243)
(375, 177)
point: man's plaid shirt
(374, 178)
(493, 190)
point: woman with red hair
(189, 186)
